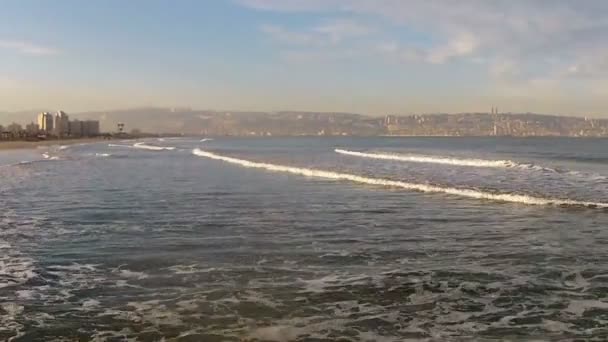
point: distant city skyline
(370, 57)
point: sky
(365, 56)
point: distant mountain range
(206, 122)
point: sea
(306, 239)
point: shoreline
(21, 145)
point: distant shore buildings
(61, 126)
(55, 125)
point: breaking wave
(47, 156)
(119, 145)
(206, 139)
(469, 193)
(468, 162)
(433, 160)
(144, 146)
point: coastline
(14, 145)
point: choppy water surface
(352, 239)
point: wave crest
(469, 193)
(144, 146)
(432, 159)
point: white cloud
(327, 33)
(340, 29)
(524, 32)
(27, 48)
(461, 45)
(318, 56)
(286, 36)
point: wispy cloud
(341, 29)
(460, 45)
(288, 37)
(527, 33)
(27, 48)
(327, 33)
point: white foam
(90, 303)
(485, 163)
(12, 309)
(190, 269)
(119, 145)
(431, 159)
(75, 267)
(144, 146)
(133, 274)
(25, 294)
(15, 268)
(102, 155)
(206, 139)
(578, 307)
(277, 333)
(469, 193)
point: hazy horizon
(354, 56)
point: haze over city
(371, 57)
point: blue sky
(375, 57)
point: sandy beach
(9, 145)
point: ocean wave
(470, 162)
(103, 155)
(433, 160)
(15, 267)
(144, 146)
(206, 139)
(21, 163)
(47, 156)
(469, 193)
(120, 145)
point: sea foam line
(469, 162)
(432, 160)
(142, 145)
(515, 198)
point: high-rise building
(61, 124)
(86, 128)
(90, 128)
(45, 122)
(75, 128)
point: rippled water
(147, 240)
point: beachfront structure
(87, 128)
(61, 124)
(45, 122)
(90, 128)
(75, 127)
